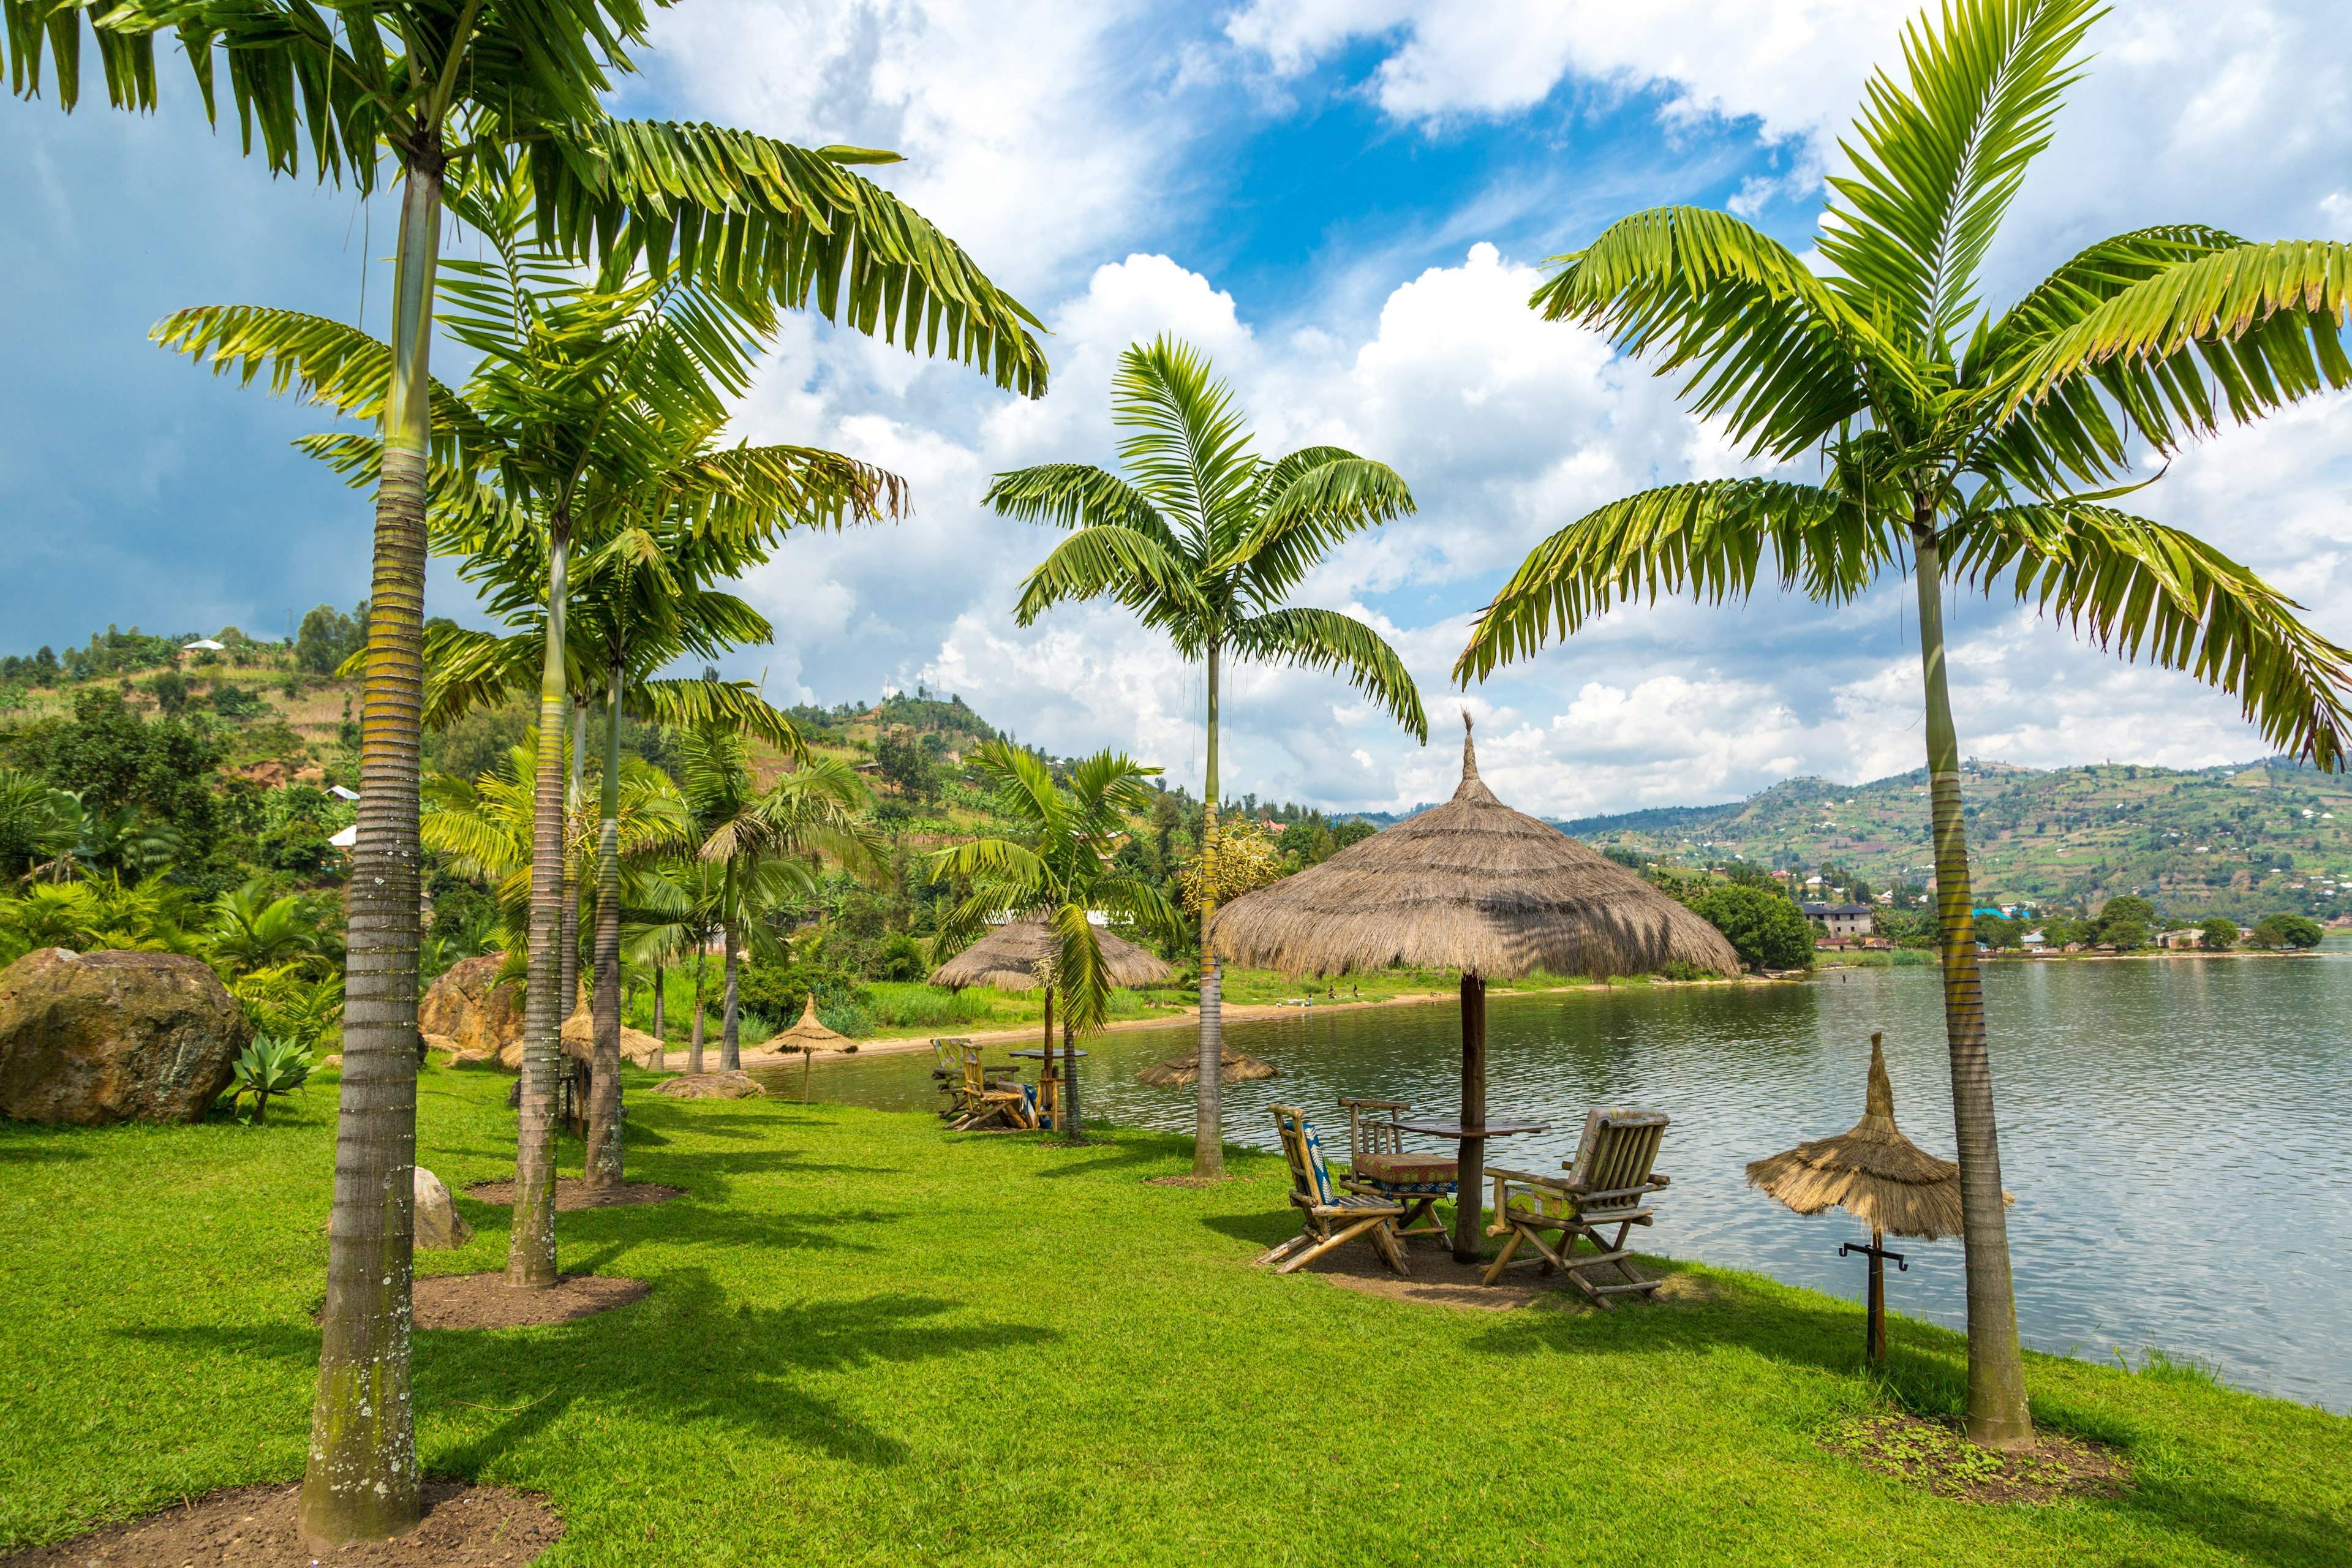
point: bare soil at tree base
(465, 1526)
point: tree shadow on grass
(684, 1355)
(12, 1153)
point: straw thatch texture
(1873, 1172)
(1010, 957)
(1232, 1068)
(1472, 886)
(808, 1035)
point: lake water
(2176, 1131)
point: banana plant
(1206, 540)
(1978, 446)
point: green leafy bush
(928, 1008)
(1768, 931)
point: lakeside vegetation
(840, 1353)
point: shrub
(928, 1008)
(267, 1066)
(1766, 929)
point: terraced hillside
(2240, 840)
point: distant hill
(2244, 840)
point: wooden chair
(1381, 1166)
(1608, 1183)
(1330, 1218)
(947, 1072)
(982, 1100)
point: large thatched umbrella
(1016, 955)
(1875, 1173)
(806, 1036)
(1478, 887)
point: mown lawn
(870, 1341)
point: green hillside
(2238, 840)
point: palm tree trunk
(731, 1054)
(661, 1040)
(530, 1248)
(1076, 1134)
(361, 1481)
(604, 1163)
(1997, 1416)
(1045, 1046)
(1208, 1134)
(694, 1052)
(570, 984)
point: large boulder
(95, 1038)
(470, 1006)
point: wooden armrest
(1501, 1175)
(1658, 1181)
(1378, 1104)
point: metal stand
(1878, 1255)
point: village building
(1840, 920)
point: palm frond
(1941, 157)
(1328, 640)
(1119, 562)
(1314, 510)
(1705, 539)
(2131, 583)
(1190, 448)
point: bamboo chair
(982, 1100)
(1328, 1217)
(947, 1071)
(1379, 1165)
(1608, 1183)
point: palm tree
(662, 930)
(1984, 444)
(253, 931)
(438, 82)
(1061, 873)
(767, 844)
(1206, 540)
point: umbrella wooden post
(1470, 1184)
(1878, 1299)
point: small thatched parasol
(807, 1037)
(1012, 956)
(1232, 1068)
(1016, 956)
(1877, 1174)
(1478, 887)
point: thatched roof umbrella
(1478, 887)
(1875, 1173)
(1016, 955)
(1013, 958)
(1232, 1068)
(806, 1036)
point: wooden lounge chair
(1608, 1183)
(1381, 1166)
(1329, 1217)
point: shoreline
(1232, 1011)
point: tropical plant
(286, 1005)
(39, 826)
(1206, 542)
(267, 1066)
(1984, 446)
(446, 87)
(1061, 870)
(679, 927)
(769, 844)
(252, 930)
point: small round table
(1471, 1164)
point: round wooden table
(1470, 1170)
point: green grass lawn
(872, 1341)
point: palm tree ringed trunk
(530, 1250)
(661, 1040)
(731, 1054)
(1208, 1135)
(604, 1163)
(694, 1050)
(570, 984)
(361, 1480)
(1997, 1416)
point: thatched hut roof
(1232, 1068)
(1873, 1172)
(808, 1035)
(1472, 886)
(1010, 957)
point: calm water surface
(2175, 1130)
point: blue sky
(1346, 203)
